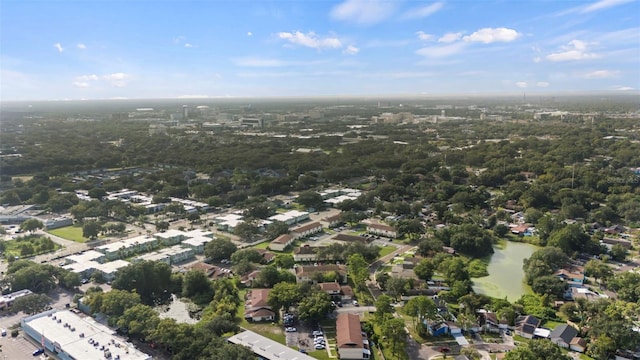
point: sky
(85, 49)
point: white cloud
(81, 46)
(188, 45)
(364, 12)
(491, 35)
(424, 36)
(310, 39)
(622, 88)
(576, 50)
(249, 33)
(351, 50)
(81, 84)
(601, 74)
(604, 4)
(522, 84)
(92, 77)
(117, 79)
(542, 84)
(58, 47)
(423, 11)
(441, 50)
(450, 37)
(537, 59)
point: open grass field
(386, 250)
(73, 233)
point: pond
(505, 272)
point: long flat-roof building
(73, 337)
(266, 347)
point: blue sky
(88, 49)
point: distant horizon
(374, 97)
(99, 49)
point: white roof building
(74, 337)
(266, 347)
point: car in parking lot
(317, 333)
(319, 347)
(290, 329)
(355, 303)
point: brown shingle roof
(303, 228)
(258, 298)
(305, 250)
(282, 239)
(381, 227)
(348, 331)
(310, 269)
(330, 286)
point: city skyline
(209, 49)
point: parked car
(317, 333)
(290, 329)
(355, 303)
(507, 332)
(38, 352)
(4, 332)
(319, 347)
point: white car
(290, 329)
(317, 333)
(319, 347)
(355, 303)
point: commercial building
(7, 300)
(281, 242)
(290, 217)
(73, 337)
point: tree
(315, 306)
(97, 193)
(543, 262)
(150, 279)
(383, 307)
(357, 269)
(276, 229)
(283, 296)
(91, 229)
(31, 304)
(162, 226)
(570, 239)
(618, 252)
(393, 330)
(139, 320)
(472, 240)
(197, 287)
(218, 249)
(420, 308)
(424, 269)
(251, 255)
(31, 225)
(35, 277)
(69, 279)
(549, 285)
(603, 347)
(598, 270)
(267, 278)
(537, 350)
(246, 230)
(500, 230)
(626, 285)
(284, 261)
(396, 287)
(310, 200)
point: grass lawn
(73, 233)
(319, 354)
(550, 324)
(263, 245)
(386, 250)
(33, 245)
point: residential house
(351, 342)
(578, 344)
(213, 272)
(488, 321)
(305, 253)
(257, 307)
(351, 238)
(306, 230)
(573, 276)
(383, 230)
(197, 244)
(331, 288)
(248, 279)
(267, 256)
(331, 221)
(281, 242)
(610, 242)
(346, 293)
(562, 335)
(309, 273)
(526, 325)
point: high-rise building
(185, 112)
